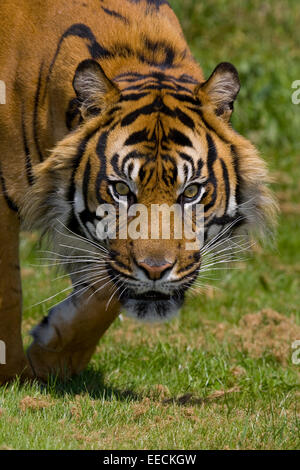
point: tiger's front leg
(13, 361)
(65, 340)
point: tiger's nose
(155, 269)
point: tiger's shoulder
(43, 43)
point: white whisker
(84, 239)
(100, 288)
(90, 269)
(79, 249)
(115, 292)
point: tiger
(105, 104)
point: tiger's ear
(93, 89)
(221, 88)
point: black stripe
(135, 76)
(76, 162)
(155, 3)
(72, 112)
(187, 99)
(187, 79)
(164, 109)
(8, 200)
(161, 81)
(112, 111)
(179, 138)
(211, 158)
(148, 86)
(28, 165)
(155, 62)
(131, 117)
(189, 159)
(86, 216)
(122, 265)
(212, 151)
(187, 268)
(169, 179)
(138, 87)
(157, 86)
(130, 169)
(137, 137)
(35, 114)
(122, 50)
(186, 172)
(108, 123)
(85, 182)
(226, 181)
(130, 77)
(115, 164)
(224, 220)
(133, 96)
(73, 221)
(101, 148)
(184, 118)
(209, 127)
(179, 81)
(134, 155)
(82, 31)
(199, 168)
(158, 47)
(156, 106)
(115, 15)
(143, 172)
(235, 159)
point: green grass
(186, 385)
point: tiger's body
(98, 93)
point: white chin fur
(151, 315)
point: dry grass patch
(265, 332)
(34, 403)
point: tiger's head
(150, 140)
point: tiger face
(150, 140)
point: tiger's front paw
(62, 363)
(65, 340)
(58, 348)
(21, 369)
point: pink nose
(155, 269)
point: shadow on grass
(89, 382)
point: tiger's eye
(122, 189)
(191, 191)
